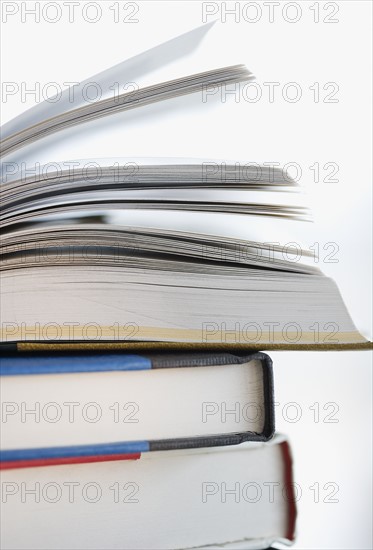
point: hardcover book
(243, 495)
(83, 408)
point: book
(167, 253)
(117, 260)
(172, 500)
(82, 408)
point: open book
(167, 251)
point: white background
(303, 132)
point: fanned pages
(128, 100)
(129, 71)
(77, 267)
(197, 252)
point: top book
(135, 252)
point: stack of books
(137, 405)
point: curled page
(136, 98)
(128, 70)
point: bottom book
(239, 496)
